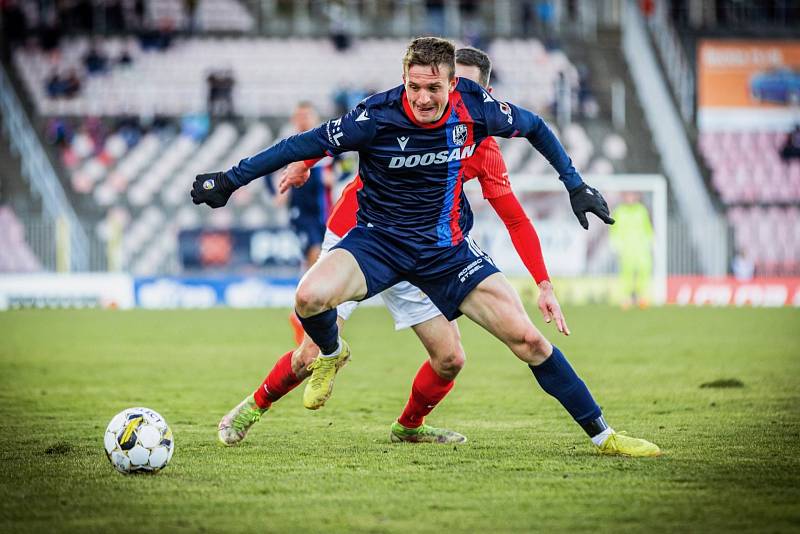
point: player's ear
(452, 85)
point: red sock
(427, 391)
(279, 382)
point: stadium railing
(36, 167)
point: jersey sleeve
(350, 132)
(507, 120)
(491, 169)
(523, 235)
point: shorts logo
(460, 134)
(467, 271)
(208, 185)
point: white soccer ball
(138, 440)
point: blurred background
(684, 113)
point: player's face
(427, 91)
(470, 72)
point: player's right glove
(213, 189)
(586, 199)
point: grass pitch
(730, 463)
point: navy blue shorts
(310, 232)
(446, 275)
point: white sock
(602, 436)
(334, 353)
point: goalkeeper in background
(632, 239)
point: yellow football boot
(622, 445)
(323, 371)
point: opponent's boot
(622, 445)
(234, 426)
(323, 372)
(424, 434)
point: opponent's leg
(496, 306)
(433, 382)
(287, 373)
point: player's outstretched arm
(508, 120)
(526, 243)
(333, 137)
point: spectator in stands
(434, 10)
(15, 26)
(791, 148)
(76, 14)
(158, 39)
(50, 35)
(114, 16)
(125, 58)
(129, 128)
(347, 97)
(220, 93)
(191, 15)
(59, 132)
(587, 103)
(60, 85)
(95, 60)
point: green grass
(730, 463)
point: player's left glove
(586, 199)
(213, 189)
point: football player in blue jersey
(413, 221)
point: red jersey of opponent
(488, 166)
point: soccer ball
(138, 440)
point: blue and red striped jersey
(412, 173)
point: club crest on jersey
(506, 109)
(429, 158)
(460, 134)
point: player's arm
(526, 243)
(296, 174)
(508, 120)
(493, 178)
(333, 137)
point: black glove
(588, 199)
(213, 189)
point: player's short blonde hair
(432, 52)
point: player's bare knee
(309, 300)
(450, 364)
(537, 346)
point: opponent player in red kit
(407, 304)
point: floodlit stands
(173, 81)
(142, 187)
(762, 193)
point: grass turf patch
(730, 453)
